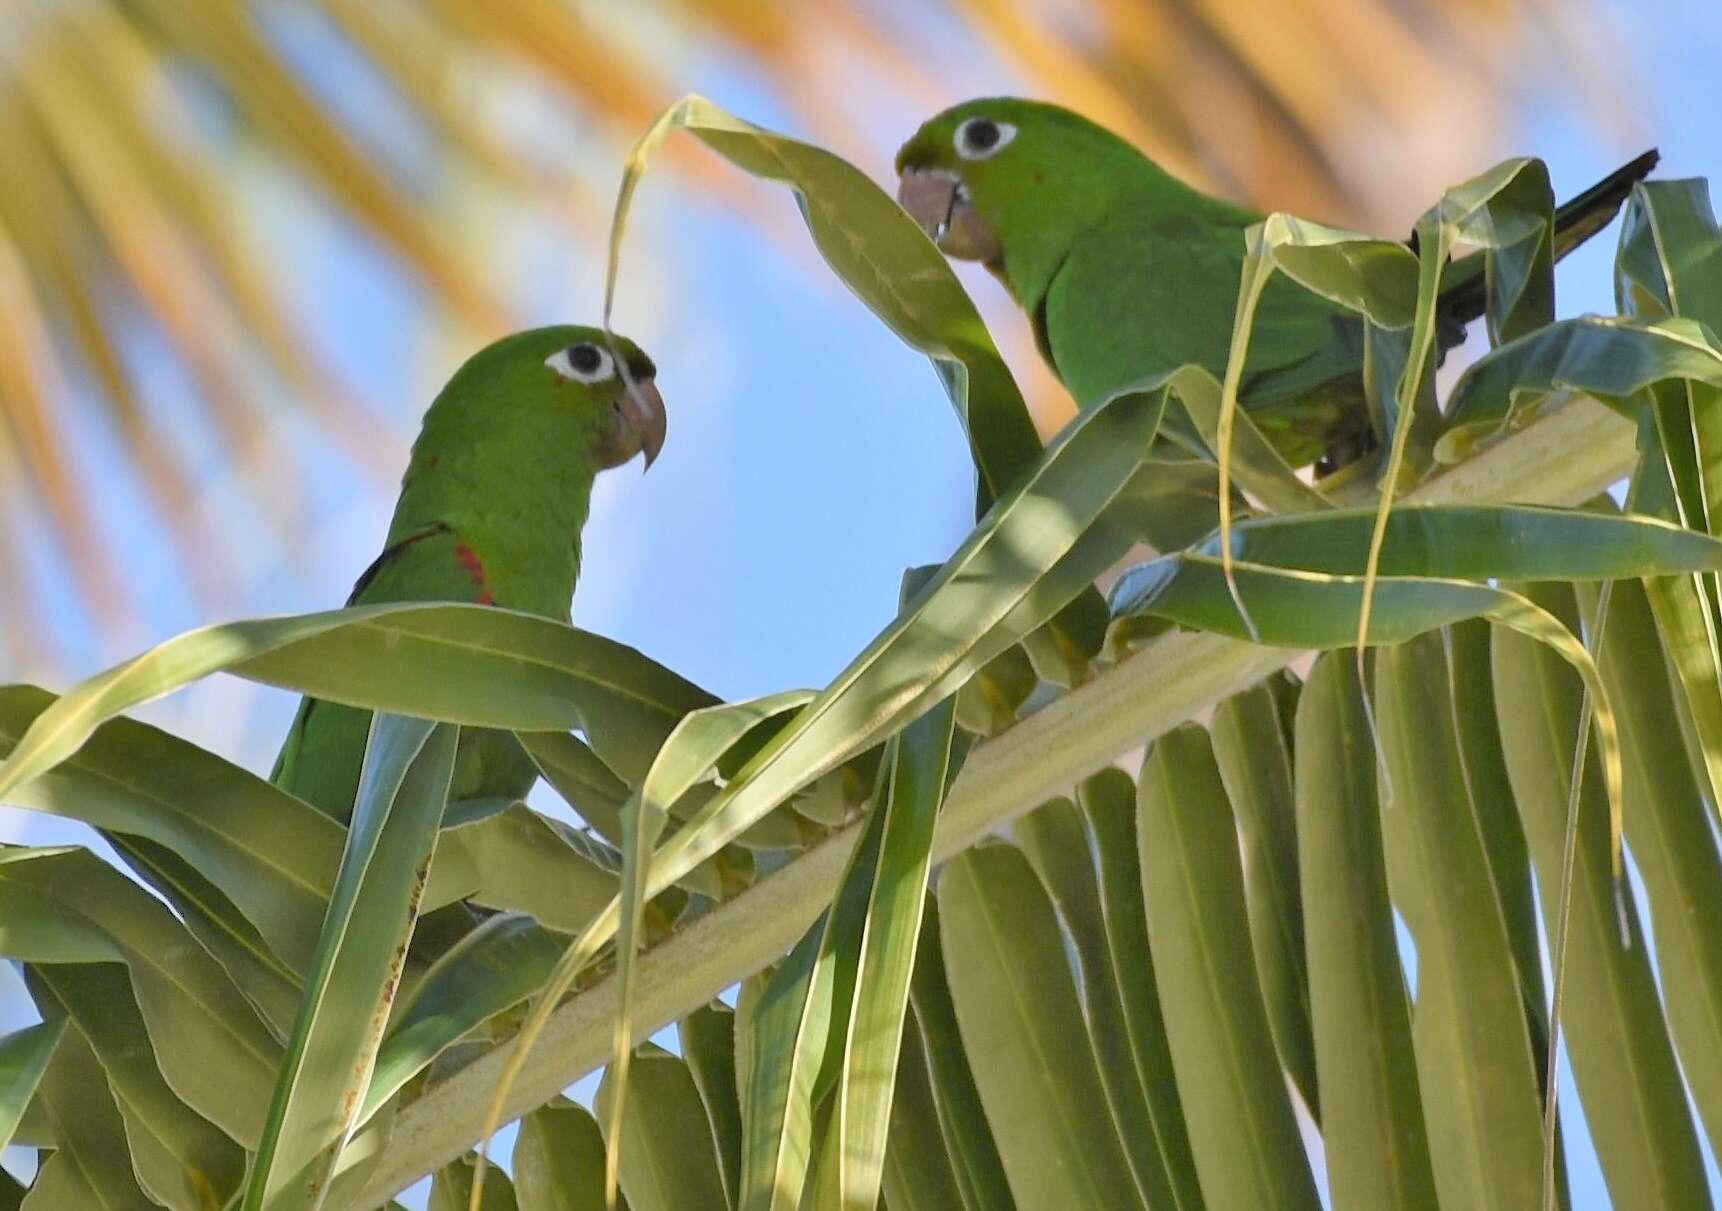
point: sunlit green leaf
(180, 1158)
(795, 1023)
(1610, 358)
(348, 993)
(1054, 839)
(919, 1170)
(68, 906)
(1475, 1066)
(559, 1160)
(1372, 1121)
(1242, 1127)
(1255, 765)
(1470, 542)
(271, 854)
(668, 1157)
(517, 860)
(1024, 1034)
(962, 1119)
(1108, 802)
(474, 665)
(922, 763)
(1635, 1102)
(23, 1058)
(1673, 845)
(91, 1166)
(452, 1189)
(708, 1045)
(499, 964)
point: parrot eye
(584, 363)
(978, 138)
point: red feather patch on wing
(474, 568)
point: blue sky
(811, 456)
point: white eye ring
(969, 147)
(584, 363)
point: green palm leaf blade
(499, 964)
(708, 1046)
(1635, 1102)
(794, 1029)
(1054, 839)
(1024, 1035)
(24, 1056)
(968, 1138)
(270, 853)
(1467, 542)
(215, 921)
(475, 665)
(1670, 256)
(451, 1189)
(1672, 843)
(511, 858)
(893, 267)
(1471, 667)
(1476, 1068)
(559, 1160)
(180, 1158)
(1254, 759)
(1243, 1129)
(350, 990)
(1296, 609)
(90, 1168)
(1508, 212)
(923, 761)
(1670, 265)
(1299, 608)
(1254, 464)
(920, 1173)
(1377, 1146)
(1376, 278)
(669, 1158)
(1108, 802)
(697, 745)
(1611, 358)
(588, 786)
(68, 906)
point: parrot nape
(1128, 273)
(495, 493)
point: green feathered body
(1126, 305)
(1128, 273)
(490, 512)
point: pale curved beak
(638, 428)
(936, 200)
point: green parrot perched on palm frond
(495, 494)
(1127, 273)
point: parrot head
(986, 177)
(561, 392)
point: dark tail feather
(1575, 222)
(1582, 217)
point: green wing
(1148, 293)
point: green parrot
(495, 494)
(1128, 273)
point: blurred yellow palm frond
(122, 125)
